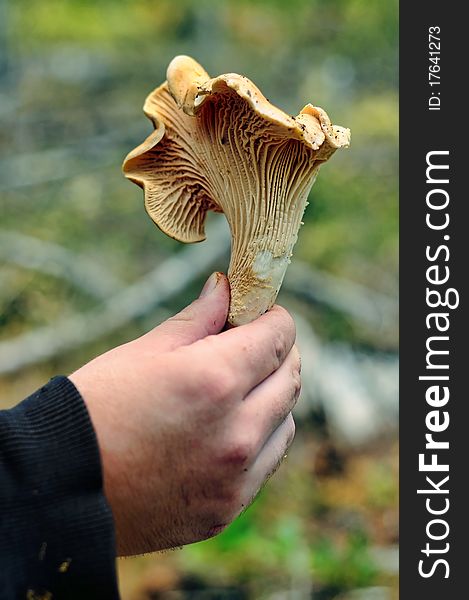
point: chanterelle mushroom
(220, 145)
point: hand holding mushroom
(191, 420)
(218, 144)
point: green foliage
(253, 544)
(345, 566)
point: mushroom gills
(220, 145)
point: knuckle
(213, 384)
(279, 349)
(296, 383)
(238, 454)
(217, 377)
(218, 386)
(288, 320)
(212, 529)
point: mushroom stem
(261, 253)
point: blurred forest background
(82, 267)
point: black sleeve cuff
(56, 528)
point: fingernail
(210, 285)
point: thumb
(205, 316)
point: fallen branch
(358, 392)
(357, 301)
(32, 253)
(168, 279)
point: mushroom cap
(218, 144)
(190, 86)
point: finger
(268, 460)
(269, 403)
(255, 350)
(205, 316)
